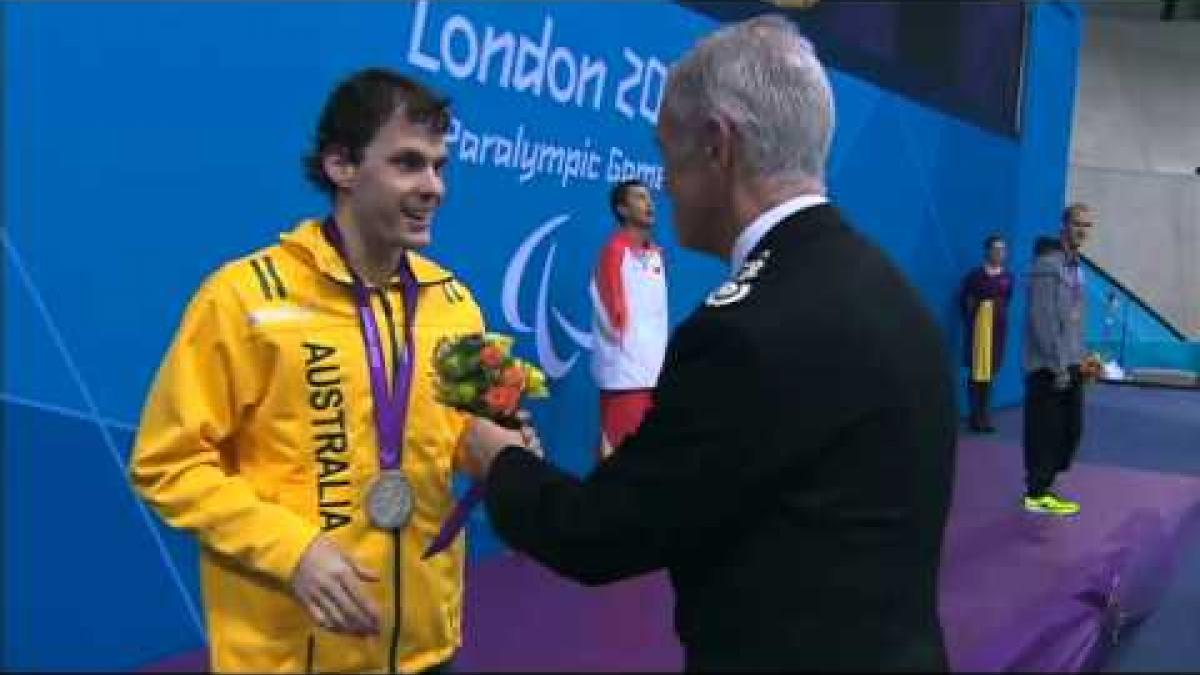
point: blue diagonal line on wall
(847, 135)
(926, 192)
(7, 397)
(93, 414)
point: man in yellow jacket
(292, 425)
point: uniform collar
(765, 222)
(310, 242)
(622, 236)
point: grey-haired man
(794, 473)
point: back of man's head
(765, 79)
(1075, 211)
(359, 106)
(1045, 245)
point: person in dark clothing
(984, 299)
(795, 471)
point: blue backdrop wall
(144, 143)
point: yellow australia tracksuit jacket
(258, 434)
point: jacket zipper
(397, 578)
(397, 602)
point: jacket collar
(309, 242)
(623, 237)
(766, 221)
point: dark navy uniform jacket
(793, 477)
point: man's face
(1079, 227)
(637, 208)
(997, 253)
(692, 195)
(398, 185)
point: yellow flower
(535, 381)
(504, 342)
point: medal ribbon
(391, 407)
(456, 522)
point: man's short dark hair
(991, 241)
(619, 192)
(1044, 245)
(1072, 212)
(359, 106)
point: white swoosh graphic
(555, 366)
(510, 294)
(581, 338)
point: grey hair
(764, 77)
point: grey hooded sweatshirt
(1054, 331)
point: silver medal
(390, 500)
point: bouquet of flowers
(477, 374)
(1092, 368)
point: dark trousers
(1053, 427)
(979, 402)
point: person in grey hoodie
(1053, 353)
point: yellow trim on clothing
(981, 349)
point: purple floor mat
(520, 617)
(1019, 592)
(1029, 592)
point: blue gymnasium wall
(145, 143)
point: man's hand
(485, 440)
(329, 585)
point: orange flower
(513, 376)
(502, 399)
(491, 356)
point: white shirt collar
(765, 222)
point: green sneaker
(1051, 504)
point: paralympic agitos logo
(549, 357)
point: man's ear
(623, 212)
(338, 168)
(719, 140)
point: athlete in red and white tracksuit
(629, 326)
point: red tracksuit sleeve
(610, 286)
